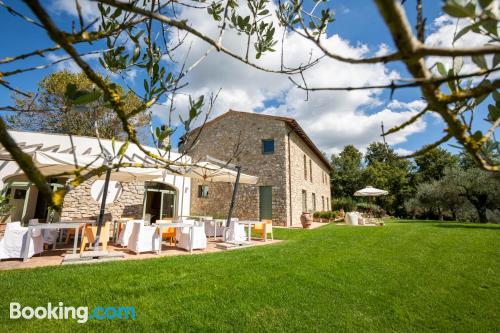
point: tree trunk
(481, 211)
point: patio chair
(15, 240)
(361, 219)
(143, 238)
(126, 231)
(264, 228)
(210, 229)
(235, 232)
(199, 236)
(49, 236)
(90, 233)
(351, 218)
(168, 233)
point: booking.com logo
(81, 314)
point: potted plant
(306, 220)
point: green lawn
(404, 277)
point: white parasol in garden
(370, 191)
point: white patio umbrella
(370, 191)
(54, 163)
(50, 163)
(213, 173)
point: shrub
(347, 204)
(366, 207)
(327, 214)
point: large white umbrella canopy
(370, 191)
(56, 163)
(213, 173)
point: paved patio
(55, 258)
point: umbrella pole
(233, 198)
(103, 208)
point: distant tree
(491, 153)
(480, 188)
(346, 174)
(430, 198)
(379, 152)
(387, 171)
(54, 109)
(414, 208)
(432, 164)
(438, 198)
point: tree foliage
(53, 109)
(432, 164)
(346, 175)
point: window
(304, 201)
(310, 170)
(202, 191)
(313, 198)
(268, 146)
(323, 203)
(305, 167)
(327, 203)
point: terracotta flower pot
(306, 220)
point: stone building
(293, 173)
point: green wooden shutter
(265, 202)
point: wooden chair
(264, 228)
(168, 233)
(89, 235)
(71, 233)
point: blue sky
(359, 28)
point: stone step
(89, 255)
(232, 245)
(90, 260)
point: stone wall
(320, 185)
(219, 198)
(241, 134)
(79, 204)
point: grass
(405, 277)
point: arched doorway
(160, 201)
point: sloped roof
(292, 123)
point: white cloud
(88, 8)
(70, 64)
(331, 118)
(443, 30)
(383, 49)
(402, 151)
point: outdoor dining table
(176, 225)
(249, 223)
(71, 221)
(56, 226)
